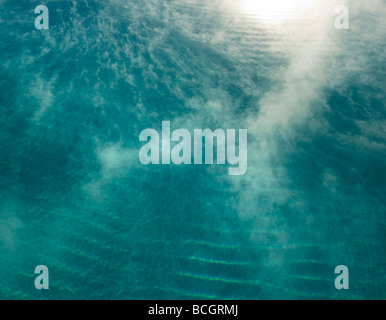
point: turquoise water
(74, 196)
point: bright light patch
(275, 9)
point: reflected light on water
(276, 10)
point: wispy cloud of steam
(317, 56)
(9, 225)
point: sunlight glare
(275, 9)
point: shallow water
(75, 197)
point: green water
(74, 196)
